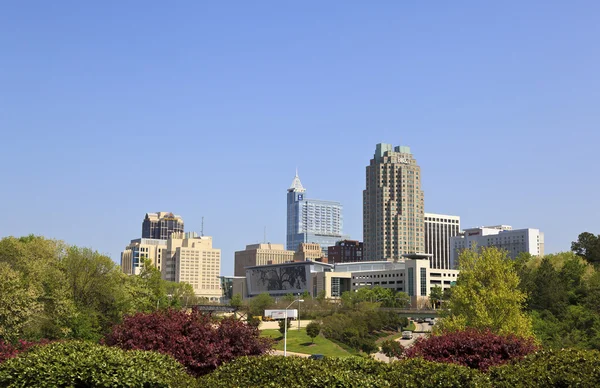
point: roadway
(422, 327)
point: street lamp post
(285, 325)
(298, 312)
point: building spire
(296, 184)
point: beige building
(192, 259)
(393, 205)
(261, 254)
(309, 251)
(133, 255)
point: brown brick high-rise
(393, 205)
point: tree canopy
(55, 291)
(588, 247)
(486, 295)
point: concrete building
(393, 204)
(439, 228)
(192, 259)
(160, 225)
(411, 275)
(345, 251)
(311, 220)
(260, 254)
(501, 236)
(283, 279)
(310, 251)
(138, 249)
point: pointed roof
(296, 184)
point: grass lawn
(300, 342)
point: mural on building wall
(289, 278)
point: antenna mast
(202, 228)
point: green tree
(321, 296)
(236, 301)
(282, 325)
(486, 295)
(588, 247)
(401, 300)
(289, 298)
(313, 329)
(260, 303)
(392, 348)
(18, 303)
(180, 294)
(548, 291)
(36, 262)
(436, 294)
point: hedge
(277, 371)
(551, 368)
(417, 372)
(84, 364)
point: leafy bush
(472, 348)
(284, 325)
(417, 372)
(313, 329)
(276, 371)
(84, 364)
(357, 328)
(194, 339)
(392, 348)
(551, 368)
(8, 350)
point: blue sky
(114, 109)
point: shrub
(193, 339)
(472, 348)
(284, 325)
(313, 329)
(551, 368)
(8, 350)
(84, 364)
(392, 348)
(417, 372)
(277, 371)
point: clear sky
(112, 109)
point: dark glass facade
(161, 225)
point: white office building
(501, 236)
(439, 228)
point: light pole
(285, 326)
(298, 312)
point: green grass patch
(300, 342)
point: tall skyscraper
(393, 202)
(311, 220)
(160, 225)
(438, 230)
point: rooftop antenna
(202, 228)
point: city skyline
(104, 120)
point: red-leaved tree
(8, 350)
(194, 339)
(473, 348)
